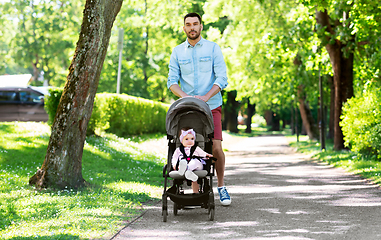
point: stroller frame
(195, 113)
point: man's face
(192, 28)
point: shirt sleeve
(199, 152)
(219, 67)
(174, 70)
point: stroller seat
(199, 173)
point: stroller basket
(187, 199)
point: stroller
(194, 113)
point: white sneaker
(190, 175)
(183, 165)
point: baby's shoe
(182, 167)
(190, 175)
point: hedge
(361, 123)
(120, 114)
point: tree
(347, 27)
(342, 64)
(148, 46)
(264, 37)
(250, 111)
(230, 111)
(63, 162)
(257, 50)
(44, 35)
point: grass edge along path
(354, 163)
(122, 176)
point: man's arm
(175, 88)
(219, 67)
(215, 89)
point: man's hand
(215, 89)
(203, 98)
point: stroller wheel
(211, 206)
(211, 214)
(175, 209)
(164, 208)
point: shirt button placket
(195, 67)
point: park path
(276, 194)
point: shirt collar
(198, 43)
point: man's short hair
(192, 15)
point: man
(200, 67)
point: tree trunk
(231, 112)
(250, 113)
(269, 117)
(331, 109)
(342, 74)
(62, 166)
(306, 115)
(276, 123)
(292, 122)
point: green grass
(352, 162)
(259, 131)
(122, 178)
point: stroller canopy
(188, 105)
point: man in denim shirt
(200, 67)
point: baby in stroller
(189, 157)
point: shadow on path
(276, 194)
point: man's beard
(197, 34)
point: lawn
(122, 178)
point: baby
(188, 157)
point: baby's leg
(195, 165)
(195, 187)
(192, 166)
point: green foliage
(44, 35)
(361, 123)
(51, 103)
(120, 176)
(126, 115)
(357, 25)
(148, 42)
(118, 113)
(260, 44)
(259, 120)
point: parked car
(22, 104)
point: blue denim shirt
(198, 68)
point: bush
(51, 103)
(258, 119)
(361, 123)
(126, 115)
(118, 113)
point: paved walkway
(276, 194)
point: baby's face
(188, 140)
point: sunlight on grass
(121, 175)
